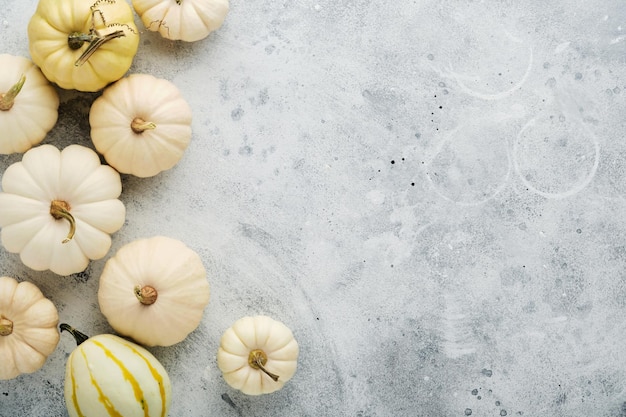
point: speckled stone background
(429, 193)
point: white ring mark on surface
(480, 163)
(556, 195)
(495, 96)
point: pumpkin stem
(8, 99)
(257, 359)
(146, 295)
(75, 40)
(138, 125)
(61, 210)
(6, 326)
(78, 336)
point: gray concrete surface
(430, 194)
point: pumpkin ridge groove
(237, 370)
(34, 183)
(127, 376)
(242, 341)
(18, 338)
(278, 347)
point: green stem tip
(8, 99)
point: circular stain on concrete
(555, 157)
(473, 163)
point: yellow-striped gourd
(107, 376)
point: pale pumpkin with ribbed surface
(154, 290)
(257, 355)
(58, 208)
(141, 125)
(109, 376)
(186, 20)
(28, 104)
(83, 44)
(28, 328)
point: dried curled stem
(60, 209)
(76, 40)
(96, 39)
(257, 360)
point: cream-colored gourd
(186, 20)
(28, 104)
(141, 125)
(109, 376)
(58, 208)
(154, 290)
(28, 328)
(83, 44)
(257, 355)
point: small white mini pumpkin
(109, 376)
(28, 104)
(154, 290)
(141, 124)
(257, 355)
(28, 332)
(186, 20)
(58, 208)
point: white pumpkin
(58, 208)
(186, 20)
(28, 328)
(257, 355)
(28, 104)
(141, 125)
(109, 376)
(154, 290)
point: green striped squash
(111, 377)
